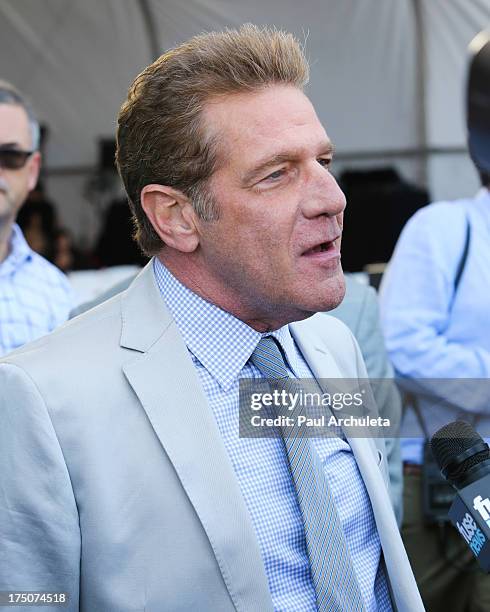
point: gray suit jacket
(116, 485)
(359, 311)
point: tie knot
(268, 358)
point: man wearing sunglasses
(35, 297)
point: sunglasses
(13, 159)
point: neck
(239, 306)
(5, 234)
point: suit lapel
(168, 387)
(325, 369)
(400, 576)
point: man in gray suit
(359, 311)
(124, 480)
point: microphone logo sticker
(483, 507)
(471, 533)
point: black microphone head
(450, 442)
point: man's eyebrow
(279, 158)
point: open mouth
(323, 247)
(320, 248)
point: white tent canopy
(387, 77)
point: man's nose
(324, 194)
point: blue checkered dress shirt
(220, 346)
(35, 297)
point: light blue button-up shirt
(220, 346)
(35, 297)
(432, 332)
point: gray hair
(10, 95)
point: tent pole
(149, 23)
(421, 64)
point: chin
(314, 296)
(333, 294)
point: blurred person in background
(37, 220)
(35, 297)
(115, 245)
(435, 305)
(65, 255)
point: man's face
(16, 184)
(275, 249)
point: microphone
(464, 460)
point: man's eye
(275, 175)
(325, 161)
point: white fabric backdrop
(76, 60)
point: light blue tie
(334, 578)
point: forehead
(251, 126)
(14, 126)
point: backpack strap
(464, 257)
(410, 399)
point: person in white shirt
(35, 297)
(435, 305)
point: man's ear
(172, 216)
(34, 167)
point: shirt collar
(483, 193)
(221, 342)
(19, 252)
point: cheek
(18, 182)
(270, 240)
(263, 226)
(220, 241)
(12, 187)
